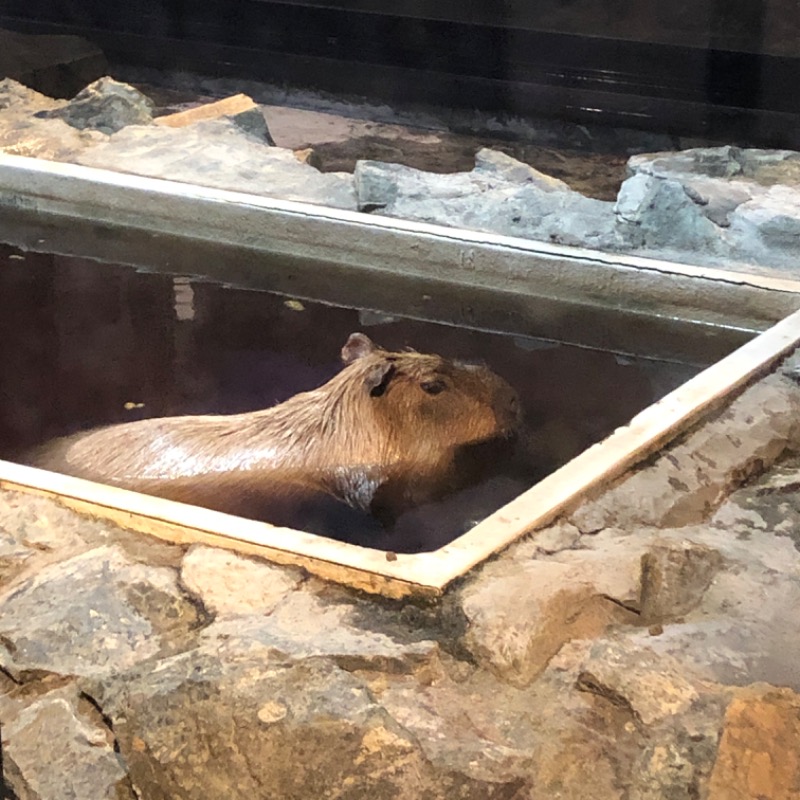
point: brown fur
(387, 433)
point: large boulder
(219, 154)
(106, 106)
(715, 205)
(501, 195)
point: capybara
(390, 431)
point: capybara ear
(357, 346)
(377, 378)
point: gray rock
(768, 505)
(654, 213)
(25, 134)
(119, 613)
(495, 165)
(106, 106)
(217, 153)
(675, 577)
(254, 123)
(754, 195)
(713, 162)
(56, 747)
(719, 199)
(727, 164)
(500, 195)
(771, 219)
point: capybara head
(426, 404)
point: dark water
(86, 343)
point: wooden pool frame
(66, 191)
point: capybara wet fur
(390, 431)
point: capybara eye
(433, 387)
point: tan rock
(228, 583)
(307, 155)
(654, 687)
(519, 620)
(759, 752)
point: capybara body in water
(390, 431)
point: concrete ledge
(380, 246)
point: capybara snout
(390, 425)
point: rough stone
(217, 153)
(119, 613)
(716, 199)
(751, 196)
(254, 122)
(520, 614)
(106, 106)
(499, 195)
(80, 761)
(675, 577)
(713, 162)
(769, 504)
(36, 531)
(24, 134)
(739, 632)
(726, 163)
(654, 688)
(304, 626)
(771, 220)
(759, 752)
(239, 108)
(295, 728)
(495, 165)
(655, 213)
(690, 478)
(556, 537)
(228, 583)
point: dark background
(723, 69)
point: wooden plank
(228, 106)
(363, 568)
